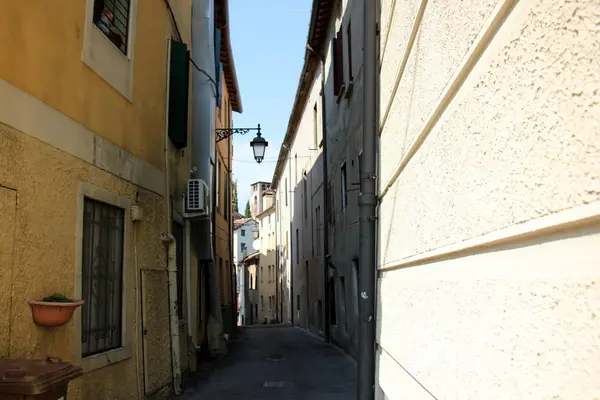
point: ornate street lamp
(258, 144)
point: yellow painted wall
(223, 226)
(267, 286)
(45, 45)
(44, 182)
(39, 183)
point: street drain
(275, 384)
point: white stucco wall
(489, 223)
(250, 228)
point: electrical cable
(181, 40)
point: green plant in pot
(53, 310)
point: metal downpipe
(367, 202)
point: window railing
(112, 18)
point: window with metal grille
(102, 277)
(112, 18)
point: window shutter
(338, 63)
(178, 94)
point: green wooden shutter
(178, 94)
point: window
(112, 18)
(298, 302)
(338, 63)
(269, 279)
(286, 192)
(102, 277)
(295, 169)
(109, 35)
(343, 186)
(243, 232)
(261, 274)
(287, 245)
(262, 302)
(318, 229)
(221, 280)
(297, 246)
(349, 36)
(226, 204)
(315, 126)
(343, 294)
(305, 194)
(218, 184)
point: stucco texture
(514, 322)
(45, 45)
(44, 182)
(518, 143)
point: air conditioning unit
(197, 199)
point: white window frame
(128, 316)
(104, 58)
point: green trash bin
(36, 379)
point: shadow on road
(276, 362)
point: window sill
(102, 360)
(349, 89)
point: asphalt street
(279, 362)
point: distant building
(251, 289)
(488, 195)
(256, 203)
(245, 233)
(267, 290)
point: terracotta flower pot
(53, 313)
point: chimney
(267, 199)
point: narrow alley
(279, 362)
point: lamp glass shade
(259, 145)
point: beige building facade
(488, 194)
(489, 203)
(267, 271)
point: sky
(268, 39)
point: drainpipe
(232, 268)
(204, 154)
(188, 288)
(367, 202)
(168, 239)
(326, 211)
